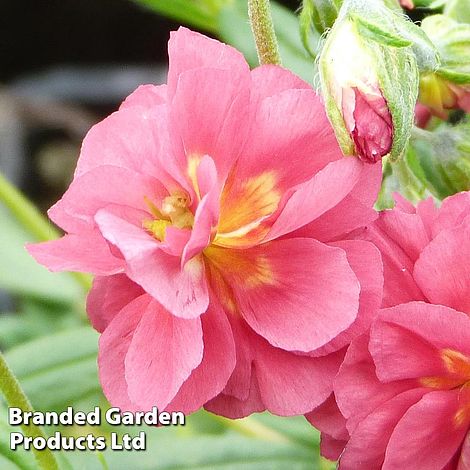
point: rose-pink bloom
(404, 389)
(214, 211)
(369, 122)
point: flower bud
(371, 111)
(449, 86)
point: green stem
(15, 397)
(25, 212)
(32, 220)
(263, 31)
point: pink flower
(404, 389)
(439, 95)
(423, 251)
(369, 122)
(353, 89)
(214, 211)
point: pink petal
(289, 128)
(464, 461)
(372, 129)
(428, 212)
(218, 362)
(331, 448)
(427, 433)
(313, 198)
(269, 80)
(305, 382)
(368, 443)
(146, 96)
(134, 138)
(182, 291)
(357, 389)
(189, 50)
(113, 346)
(354, 211)
(453, 212)
(443, 270)
(211, 121)
(366, 263)
(241, 385)
(233, 407)
(328, 419)
(296, 293)
(407, 230)
(108, 296)
(106, 185)
(163, 352)
(406, 341)
(402, 204)
(207, 212)
(88, 252)
(399, 285)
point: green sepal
(388, 63)
(401, 95)
(392, 24)
(452, 40)
(306, 25)
(320, 14)
(458, 10)
(443, 158)
(376, 33)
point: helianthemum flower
(404, 389)
(214, 211)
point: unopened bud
(449, 86)
(371, 110)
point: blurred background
(65, 65)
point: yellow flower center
(458, 377)
(174, 212)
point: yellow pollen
(174, 212)
(175, 207)
(456, 362)
(193, 163)
(157, 228)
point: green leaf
(296, 429)
(429, 4)
(19, 272)
(201, 14)
(226, 452)
(35, 318)
(63, 370)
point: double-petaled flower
(214, 211)
(404, 388)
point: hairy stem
(261, 21)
